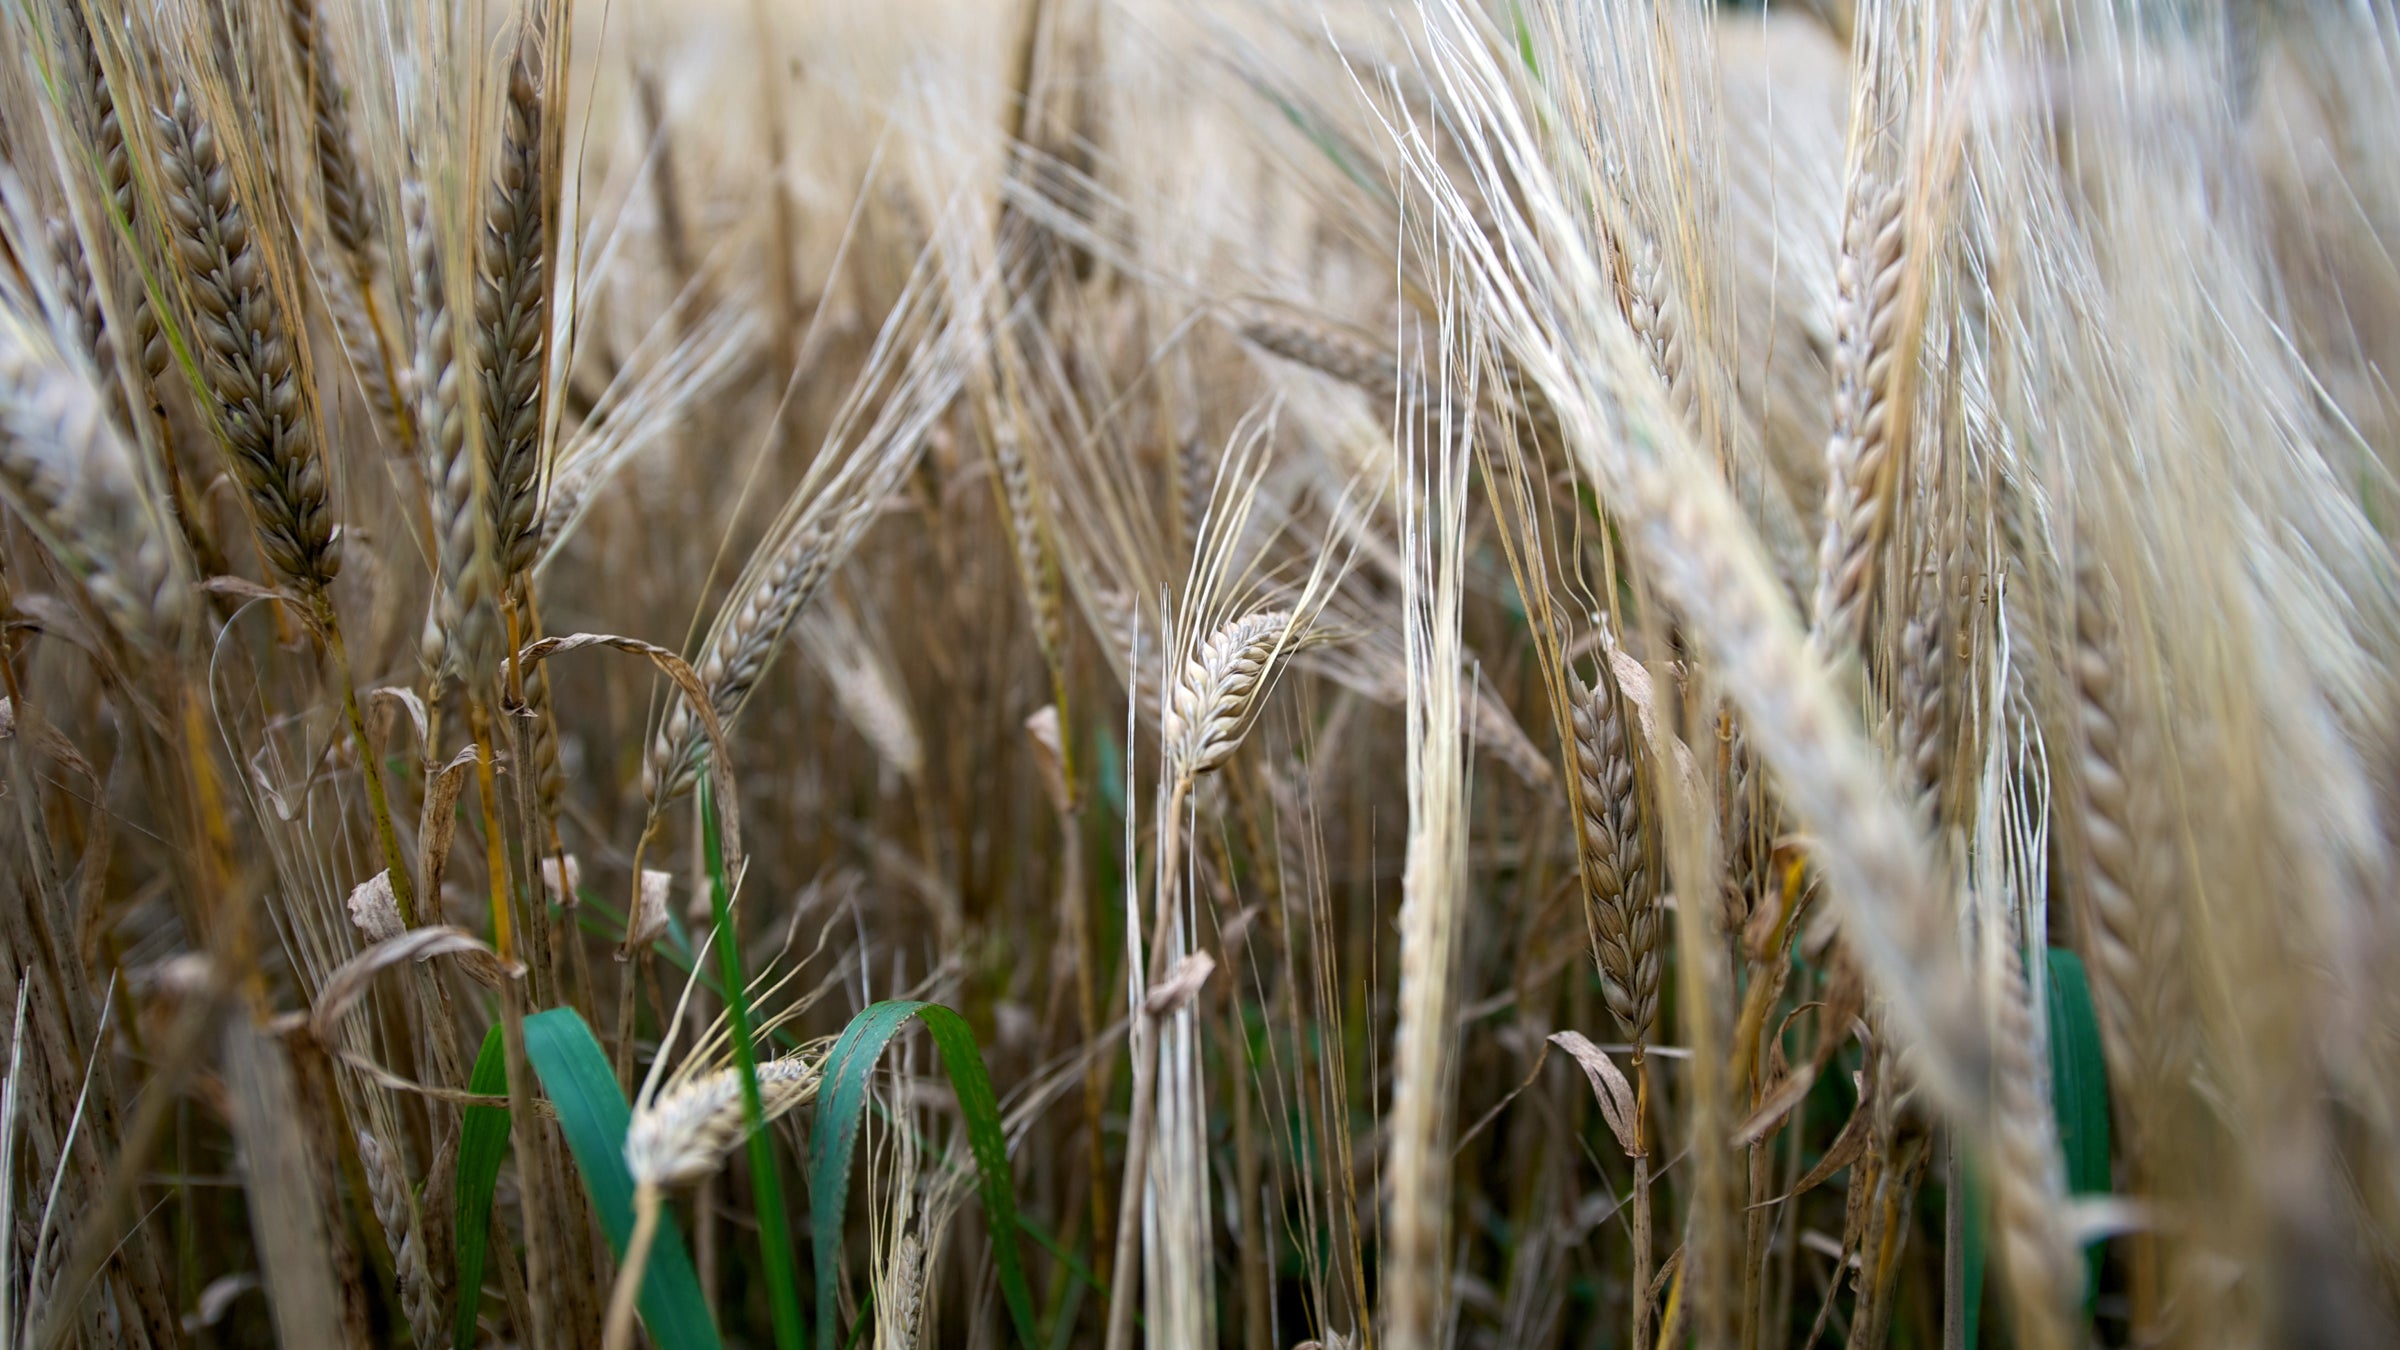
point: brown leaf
(1180, 985)
(349, 980)
(1617, 1103)
(686, 679)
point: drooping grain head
(420, 1289)
(737, 656)
(1921, 742)
(2128, 864)
(248, 372)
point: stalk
(1145, 1085)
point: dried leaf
(437, 824)
(349, 980)
(1180, 985)
(380, 700)
(374, 910)
(1609, 1084)
(686, 679)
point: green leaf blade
(849, 1072)
(2079, 1088)
(576, 1076)
(766, 1183)
(482, 1143)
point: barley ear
(246, 355)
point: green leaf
(482, 1143)
(766, 1183)
(849, 1070)
(1975, 1258)
(592, 1114)
(2079, 1088)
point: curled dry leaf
(695, 694)
(1181, 984)
(383, 699)
(349, 980)
(374, 910)
(1617, 1104)
(1048, 755)
(438, 823)
(650, 915)
(562, 876)
(1633, 682)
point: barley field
(1262, 673)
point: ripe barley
(420, 1296)
(351, 224)
(685, 1133)
(1921, 743)
(67, 469)
(512, 319)
(1614, 853)
(349, 213)
(1860, 458)
(2128, 868)
(1210, 708)
(462, 608)
(249, 376)
(738, 655)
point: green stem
(766, 1186)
